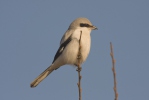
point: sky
(30, 33)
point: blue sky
(30, 32)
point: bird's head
(82, 22)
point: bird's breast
(85, 42)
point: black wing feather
(61, 48)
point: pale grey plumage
(69, 46)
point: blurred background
(30, 32)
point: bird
(67, 54)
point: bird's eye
(84, 25)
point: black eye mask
(85, 25)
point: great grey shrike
(69, 47)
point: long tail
(42, 76)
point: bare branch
(79, 68)
(114, 72)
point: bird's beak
(94, 28)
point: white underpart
(70, 53)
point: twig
(114, 72)
(79, 68)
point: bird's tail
(42, 76)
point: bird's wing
(61, 48)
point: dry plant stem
(114, 72)
(79, 68)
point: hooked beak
(94, 28)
